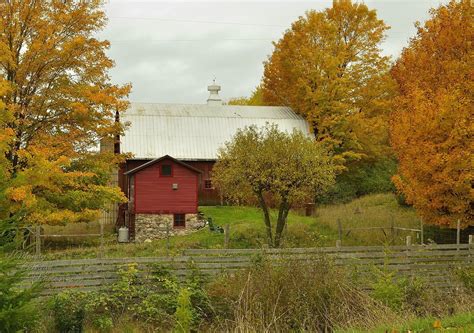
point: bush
(413, 296)
(184, 311)
(388, 289)
(103, 323)
(361, 179)
(466, 276)
(68, 309)
(162, 302)
(18, 305)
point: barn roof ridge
(195, 132)
(209, 111)
(159, 159)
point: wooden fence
(434, 263)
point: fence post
(392, 229)
(101, 239)
(338, 243)
(471, 246)
(167, 239)
(38, 240)
(339, 228)
(422, 240)
(226, 235)
(408, 245)
(458, 232)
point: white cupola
(214, 98)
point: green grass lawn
(247, 229)
(461, 323)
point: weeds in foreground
(293, 296)
(162, 302)
(318, 296)
(269, 296)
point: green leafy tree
(262, 163)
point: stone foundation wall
(154, 226)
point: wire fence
(394, 234)
(43, 240)
(97, 240)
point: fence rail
(435, 263)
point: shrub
(161, 302)
(361, 179)
(68, 309)
(388, 289)
(154, 302)
(466, 276)
(412, 295)
(184, 311)
(18, 308)
(103, 323)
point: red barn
(163, 197)
(192, 134)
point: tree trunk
(266, 215)
(281, 221)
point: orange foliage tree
(255, 99)
(432, 126)
(329, 69)
(57, 103)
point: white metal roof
(194, 131)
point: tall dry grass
(293, 296)
(318, 296)
(376, 210)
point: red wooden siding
(155, 194)
(206, 196)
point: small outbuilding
(163, 198)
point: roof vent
(214, 98)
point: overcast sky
(171, 51)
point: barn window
(179, 221)
(166, 170)
(208, 184)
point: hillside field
(247, 230)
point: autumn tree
(255, 99)
(432, 127)
(57, 103)
(263, 163)
(328, 68)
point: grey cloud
(157, 57)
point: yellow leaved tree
(328, 67)
(56, 104)
(432, 128)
